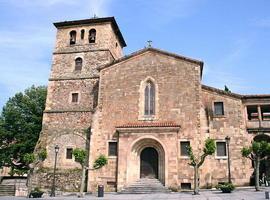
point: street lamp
(56, 149)
(227, 138)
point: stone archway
(146, 146)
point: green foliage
(100, 162)
(226, 89)
(257, 149)
(226, 187)
(80, 155)
(36, 193)
(19, 172)
(20, 125)
(29, 158)
(42, 154)
(246, 151)
(209, 147)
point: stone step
(7, 190)
(144, 186)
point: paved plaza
(249, 194)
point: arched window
(82, 34)
(72, 37)
(92, 36)
(149, 98)
(78, 64)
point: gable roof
(94, 21)
(148, 49)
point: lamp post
(227, 138)
(56, 149)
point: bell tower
(81, 47)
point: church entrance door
(149, 163)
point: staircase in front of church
(7, 190)
(144, 186)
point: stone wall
(231, 124)
(105, 39)
(178, 99)
(68, 180)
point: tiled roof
(148, 124)
(239, 96)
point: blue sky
(232, 37)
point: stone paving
(204, 195)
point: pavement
(248, 194)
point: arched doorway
(149, 163)
(141, 150)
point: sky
(231, 37)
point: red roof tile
(148, 124)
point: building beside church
(141, 111)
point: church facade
(141, 111)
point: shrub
(42, 154)
(36, 193)
(100, 162)
(226, 187)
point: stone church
(141, 111)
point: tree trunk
(257, 174)
(196, 179)
(82, 182)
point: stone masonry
(105, 101)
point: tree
(81, 157)
(257, 152)
(196, 162)
(226, 89)
(20, 125)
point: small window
(218, 108)
(252, 113)
(92, 36)
(75, 97)
(221, 149)
(82, 34)
(78, 64)
(184, 145)
(69, 153)
(186, 186)
(72, 37)
(265, 110)
(112, 148)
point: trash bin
(266, 195)
(100, 191)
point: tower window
(69, 153)
(82, 34)
(149, 99)
(92, 36)
(75, 97)
(218, 108)
(78, 63)
(72, 37)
